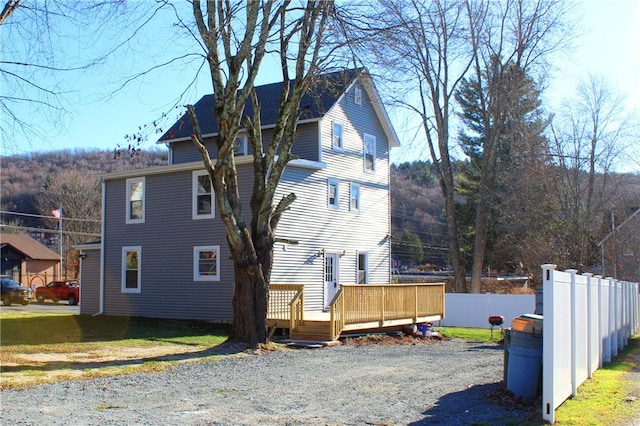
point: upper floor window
(357, 95)
(354, 197)
(203, 201)
(241, 147)
(369, 153)
(131, 269)
(135, 200)
(333, 189)
(337, 142)
(206, 263)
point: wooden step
(313, 330)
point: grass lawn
(610, 397)
(37, 348)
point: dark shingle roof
(314, 104)
(28, 247)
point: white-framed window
(369, 153)
(333, 192)
(241, 147)
(203, 204)
(363, 268)
(336, 140)
(131, 269)
(357, 95)
(135, 200)
(354, 197)
(206, 263)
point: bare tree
(235, 38)
(429, 42)
(38, 66)
(78, 195)
(589, 134)
(517, 39)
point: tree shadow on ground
(487, 404)
(224, 349)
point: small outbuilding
(27, 261)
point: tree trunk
(249, 305)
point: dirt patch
(392, 339)
(23, 369)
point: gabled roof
(314, 105)
(28, 247)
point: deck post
(382, 294)
(415, 303)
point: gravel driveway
(444, 382)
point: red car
(59, 290)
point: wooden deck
(354, 307)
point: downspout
(102, 234)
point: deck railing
(336, 314)
(366, 305)
(369, 303)
(286, 304)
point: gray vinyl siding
(167, 238)
(169, 233)
(90, 283)
(316, 226)
(305, 147)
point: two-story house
(163, 251)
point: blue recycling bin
(524, 368)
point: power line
(49, 217)
(48, 231)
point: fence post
(574, 334)
(613, 336)
(548, 361)
(589, 324)
(600, 320)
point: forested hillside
(537, 218)
(28, 182)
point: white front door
(330, 277)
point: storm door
(330, 277)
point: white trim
(307, 164)
(195, 185)
(103, 226)
(160, 170)
(366, 136)
(123, 266)
(336, 204)
(366, 267)
(245, 146)
(129, 182)
(340, 147)
(352, 187)
(357, 95)
(196, 263)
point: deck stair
(312, 330)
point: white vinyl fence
(587, 320)
(474, 310)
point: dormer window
(337, 142)
(241, 146)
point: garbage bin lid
(531, 323)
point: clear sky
(609, 45)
